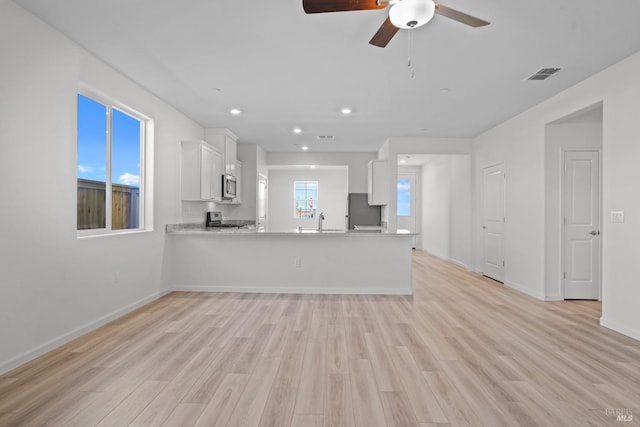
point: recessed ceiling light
(304, 148)
(313, 166)
(297, 130)
(445, 90)
(403, 161)
(235, 111)
(346, 111)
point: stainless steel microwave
(228, 187)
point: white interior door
(406, 203)
(581, 225)
(262, 203)
(493, 218)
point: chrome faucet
(320, 219)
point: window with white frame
(110, 167)
(305, 199)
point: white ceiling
(284, 68)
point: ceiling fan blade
(384, 34)
(459, 16)
(321, 6)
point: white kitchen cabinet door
(225, 141)
(201, 172)
(206, 173)
(230, 154)
(378, 183)
(218, 168)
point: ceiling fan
(405, 14)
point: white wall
(54, 285)
(356, 162)
(446, 214)
(520, 143)
(332, 198)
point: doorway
(406, 203)
(581, 231)
(493, 219)
(262, 203)
(580, 131)
(442, 201)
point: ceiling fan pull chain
(409, 40)
(410, 47)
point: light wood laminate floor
(462, 351)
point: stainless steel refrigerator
(360, 213)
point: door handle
(595, 232)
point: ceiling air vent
(326, 137)
(544, 73)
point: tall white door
(493, 218)
(406, 203)
(262, 203)
(581, 225)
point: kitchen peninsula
(296, 261)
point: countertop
(200, 229)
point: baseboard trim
(448, 259)
(525, 291)
(614, 326)
(38, 351)
(294, 290)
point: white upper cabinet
(218, 165)
(201, 174)
(206, 173)
(225, 141)
(378, 182)
(230, 154)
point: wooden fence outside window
(125, 205)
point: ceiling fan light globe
(411, 13)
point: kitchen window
(305, 196)
(110, 167)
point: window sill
(91, 235)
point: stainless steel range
(214, 220)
